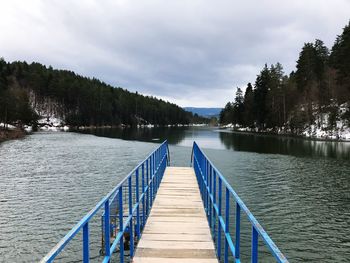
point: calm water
(299, 190)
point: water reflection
(213, 138)
(174, 135)
(284, 145)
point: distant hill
(205, 112)
(29, 92)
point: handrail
(152, 170)
(211, 183)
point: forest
(32, 91)
(316, 94)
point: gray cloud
(190, 52)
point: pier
(177, 229)
(159, 213)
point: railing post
(121, 225)
(151, 181)
(238, 230)
(153, 163)
(214, 202)
(147, 183)
(255, 236)
(210, 195)
(144, 195)
(131, 220)
(86, 256)
(205, 185)
(156, 173)
(157, 158)
(166, 155)
(138, 230)
(227, 222)
(107, 230)
(154, 183)
(220, 216)
(203, 180)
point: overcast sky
(193, 53)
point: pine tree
(238, 108)
(340, 61)
(249, 114)
(260, 96)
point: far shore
(17, 133)
(290, 135)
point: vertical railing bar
(144, 195)
(138, 204)
(203, 179)
(210, 195)
(86, 257)
(107, 230)
(206, 184)
(220, 212)
(121, 225)
(154, 176)
(131, 220)
(238, 230)
(151, 182)
(153, 164)
(147, 183)
(214, 202)
(227, 218)
(255, 236)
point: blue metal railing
(140, 197)
(214, 187)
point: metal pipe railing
(151, 171)
(216, 191)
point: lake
(298, 189)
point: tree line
(30, 90)
(320, 84)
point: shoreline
(290, 135)
(12, 134)
(17, 133)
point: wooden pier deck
(177, 229)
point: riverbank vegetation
(10, 134)
(313, 101)
(29, 92)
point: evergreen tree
(260, 95)
(78, 100)
(320, 84)
(238, 108)
(249, 114)
(340, 61)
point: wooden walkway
(177, 229)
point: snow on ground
(8, 126)
(319, 130)
(52, 123)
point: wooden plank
(177, 229)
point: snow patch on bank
(52, 123)
(321, 129)
(7, 126)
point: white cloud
(191, 52)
